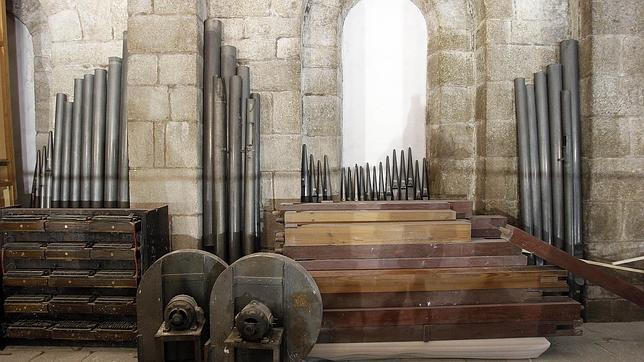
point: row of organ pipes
(393, 181)
(85, 161)
(231, 175)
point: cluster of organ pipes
(85, 162)
(405, 181)
(231, 176)
(549, 142)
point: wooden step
(477, 247)
(412, 280)
(415, 263)
(379, 233)
(344, 216)
(463, 208)
(568, 310)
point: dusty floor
(601, 342)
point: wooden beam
(415, 263)
(486, 313)
(589, 272)
(346, 216)
(612, 266)
(463, 208)
(482, 247)
(379, 233)
(628, 261)
(413, 280)
(438, 298)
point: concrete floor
(600, 342)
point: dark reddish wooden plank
(592, 273)
(441, 332)
(486, 313)
(473, 248)
(415, 263)
(487, 226)
(373, 205)
(437, 298)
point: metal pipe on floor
(220, 139)
(523, 143)
(212, 61)
(66, 145)
(367, 184)
(123, 196)
(303, 176)
(112, 137)
(569, 219)
(248, 242)
(328, 193)
(98, 138)
(569, 50)
(86, 152)
(403, 177)
(556, 153)
(77, 145)
(535, 180)
(541, 99)
(48, 169)
(424, 182)
(381, 183)
(410, 175)
(395, 189)
(58, 148)
(234, 169)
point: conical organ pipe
(304, 191)
(86, 154)
(418, 195)
(523, 137)
(327, 180)
(58, 148)
(48, 169)
(342, 184)
(234, 169)
(98, 137)
(425, 180)
(381, 183)
(410, 175)
(66, 145)
(403, 177)
(77, 145)
(367, 184)
(220, 136)
(249, 180)
(123, 196)
(387, 179)
(374, 184)
(535, 180)
(556, 153)
(395, 189)
(112, 120)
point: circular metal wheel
(190, 272)
(280, 283)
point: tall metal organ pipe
(220, 201)
(566, 120)
(535, 180)
(248, 244)
(86, 154)
(541, 99)
(521, 107)
(76, 144)
(123, 197)
(569, 50)
(112, 120)
(556, 153)
(98, 137)
(212, 61)
(59, 127)
(258, 184)
(66, 145)
(235, 169)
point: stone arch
(452, 28)
(31, 13)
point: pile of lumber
(424, 270)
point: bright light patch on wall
(384, 67)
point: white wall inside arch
(384, 66)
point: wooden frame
(7, 160)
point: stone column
(165, 42)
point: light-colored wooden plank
(345, 216)
(628, 261)
(501, 349)
(379, 233)
(613, 266)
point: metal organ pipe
(112, 120)
(98, 137)
(59, 127)
(556, 153)
(123, 196)
(523, 143)
(76, 145)
(235, 168)
(86, 154)
(541, 99)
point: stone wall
(70, 38)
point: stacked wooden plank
(391, 273)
